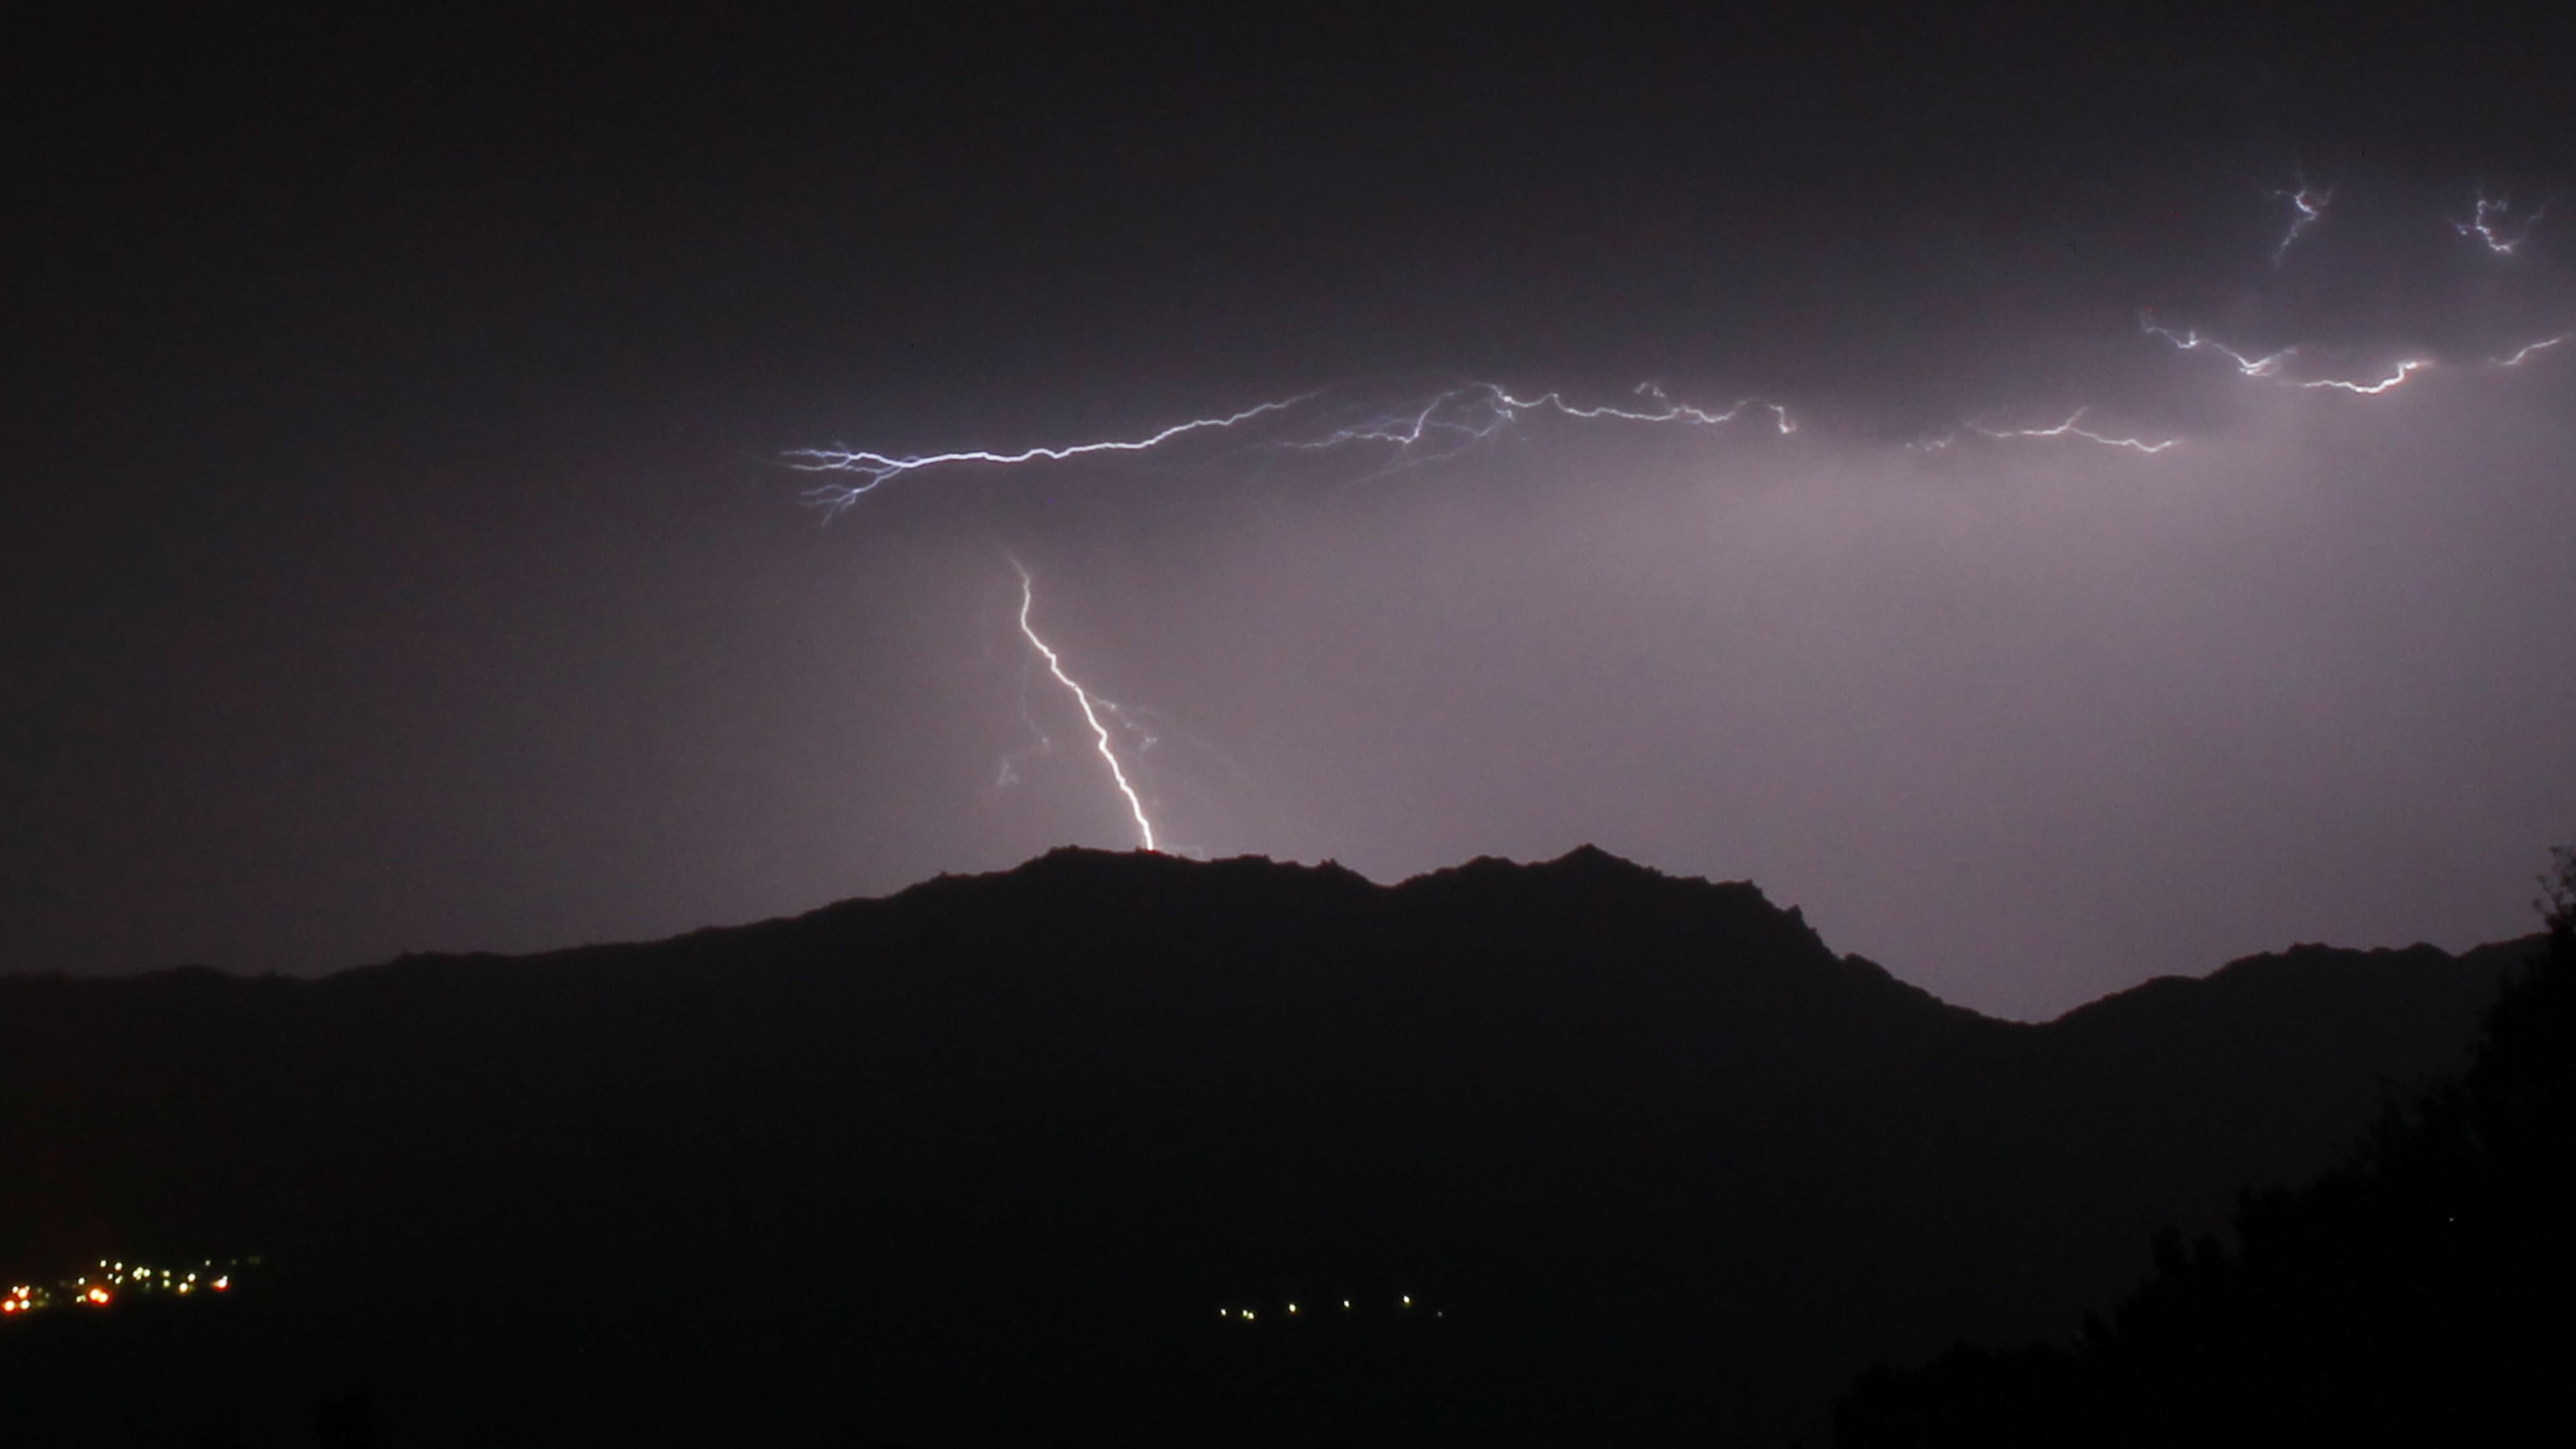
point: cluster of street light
(112, 1282)
(1326, 1308)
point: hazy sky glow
(412, 553)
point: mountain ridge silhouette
(1668, 1162)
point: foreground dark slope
(993, 1151)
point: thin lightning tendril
(2481, 226)
(876, 468)
(2405, 369)
(2529, 348)
(1447, 423)
(2269, 368)
(2311, 205)
(1083, 697)
(2190, 340)
(2068, 429)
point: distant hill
(992, 1154)
(2413, 1293)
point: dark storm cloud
(406, 562)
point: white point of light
(1082, 697)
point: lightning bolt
(1428, 421)
(877, 468)
(2269, 368)
(1090, 707)
(2190, 340)
(2068, 429)
(1423, 430)
(2529, 348)
(2405, 370)
(2480, 225)
(1462, 415)
(2311, 205)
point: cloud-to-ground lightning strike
(1090, 707)
(1395, 425)
(2482, 224)
(2311, 205)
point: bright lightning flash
(1090, 713)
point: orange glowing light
(220, 1284)
(8, 1305)
(96, 1295)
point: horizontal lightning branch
(2070, 429)
(1445, 423)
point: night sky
(403, 551)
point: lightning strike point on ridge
(1090, 714)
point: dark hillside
(2413, 1292)
(991, 1154)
